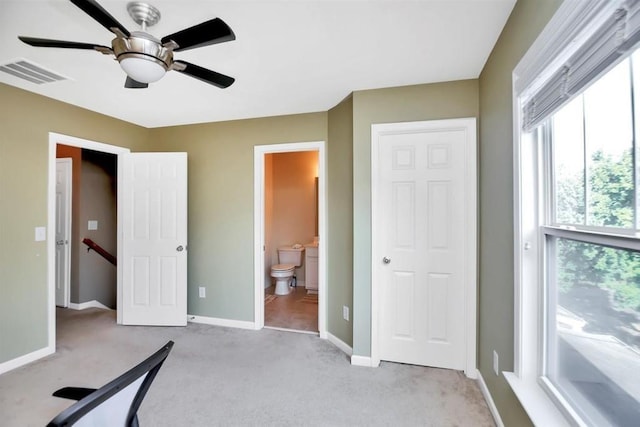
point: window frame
(574, 22)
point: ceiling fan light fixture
(143, 69)
(142, 57)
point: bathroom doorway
(289, 213)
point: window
(577, 260)
(591, 272)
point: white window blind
(617, 35)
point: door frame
(67, 162)
(55, 139)
(259, 228)
(470, 232)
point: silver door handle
(60, 242)
(179, 248)
(386, 260)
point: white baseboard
(221, 322)
(362, 361)
(489, 400)
(339, 343)
(27, 358)
(88, 304)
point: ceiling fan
(144, 58)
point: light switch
(92, 225)
(41, 234)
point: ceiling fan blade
(34, 41)
(209, 32)
(205, 75)
(133, 84)
(97, 12)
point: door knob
(60, 242)
(179, 248)
(386, 260)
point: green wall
(26, 120)
(340, 220)
(496, 201)
(402, 104)
(221, 203)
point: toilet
(289, 258)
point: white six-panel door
(154, 261)
(63, 230)
(420, 258)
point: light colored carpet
(230, 377)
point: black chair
(114, 404)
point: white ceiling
(289, 56)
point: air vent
(30, 71)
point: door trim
(54, 139)
(470, 232)
(67, 163)
(258, 207)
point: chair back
(115, 403)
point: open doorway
(289, 214)
(291, 241)
(98, 157)
(86, 228)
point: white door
(154, 243)
(420, 243)
(63, 231)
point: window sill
(535, 401)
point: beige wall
(402, 104)
(294, 203)
(26, 120)
(340, 220)
(221, 203)
(496, 201)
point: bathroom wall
(294, 202)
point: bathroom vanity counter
(311, 267)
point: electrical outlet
(345, 313)
(202, 292)
(495, 363)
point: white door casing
(64, 173)
(259, 227)
(423, 243)
(153, 198)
